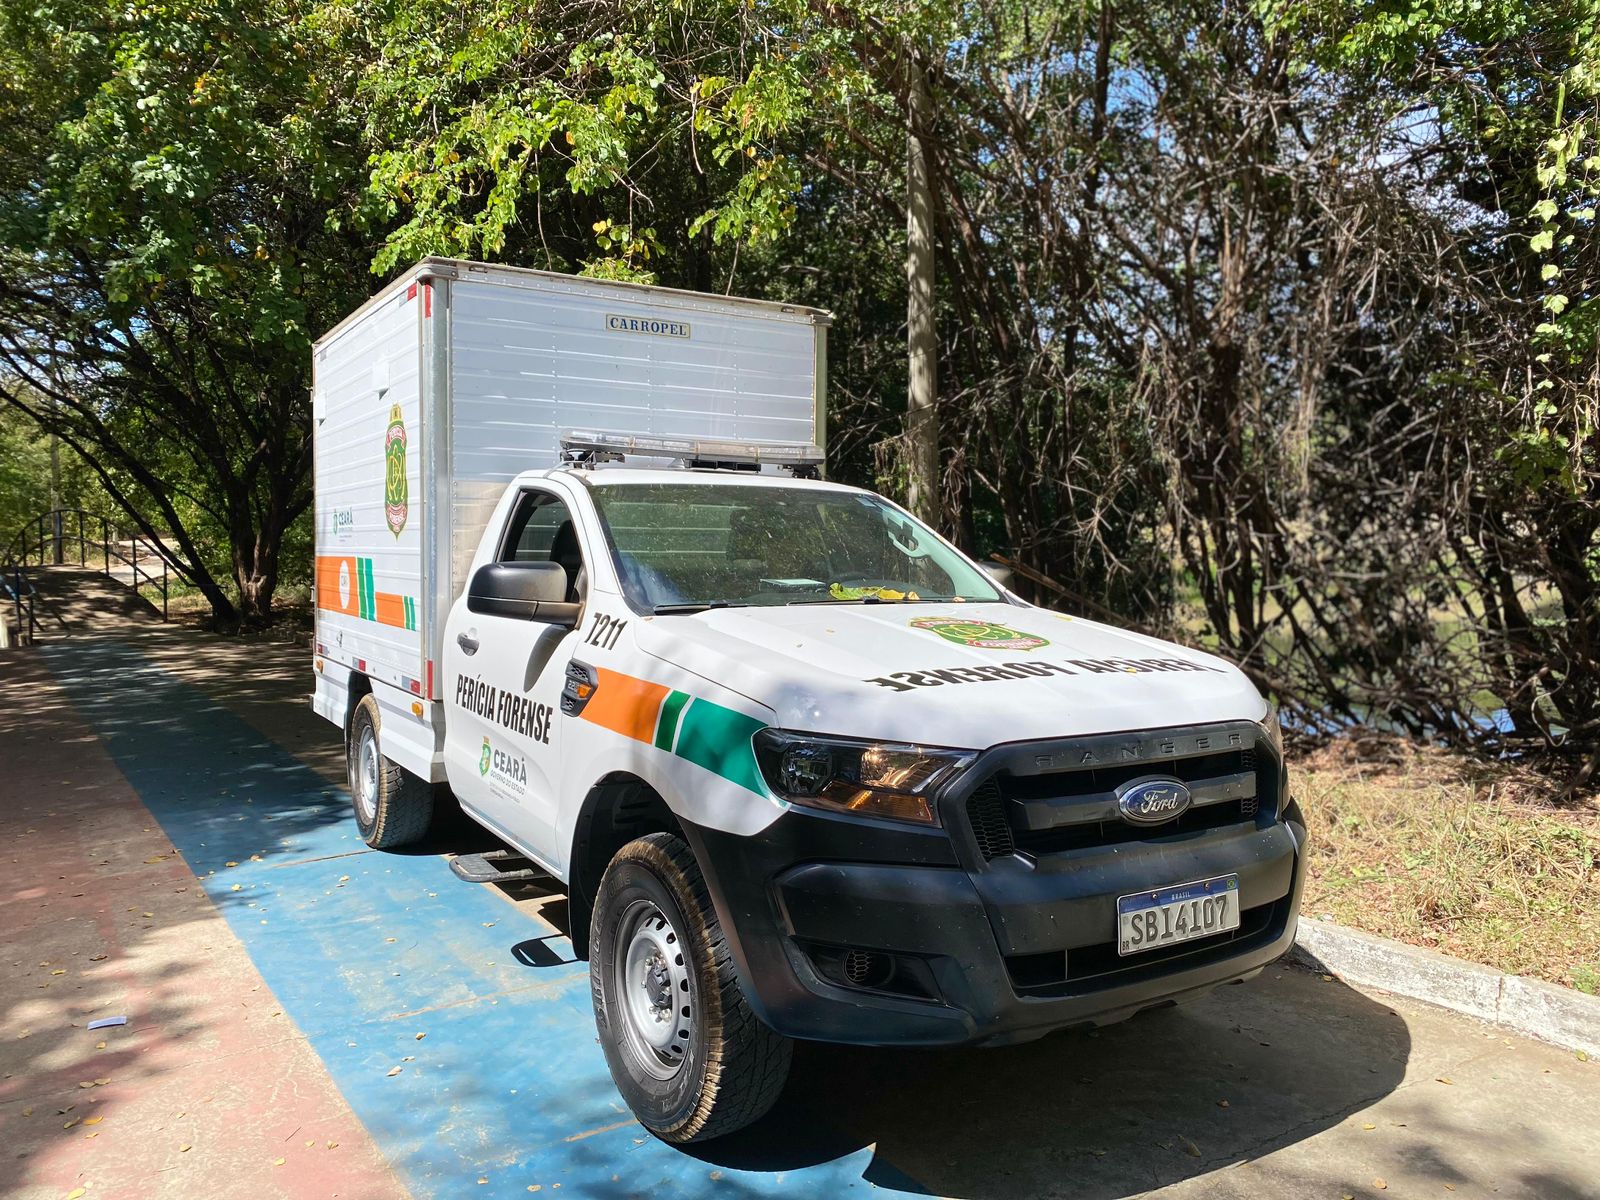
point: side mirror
(530, 591)
(999, 572)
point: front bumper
(880, 934)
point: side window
(531, 534)
(541, 530)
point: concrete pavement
(200, 753)
(209, 1087)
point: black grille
(1114, 833)
(987, 812)
(999, 828)
(1247, 762)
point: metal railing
(50, 536)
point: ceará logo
(1153, 801)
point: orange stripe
(391, 610)
(625, 705)
(328, 585)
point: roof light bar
(604, 446)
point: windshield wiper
(694, 606)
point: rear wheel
(393, 807)
(685, 1049)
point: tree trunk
(922, 418)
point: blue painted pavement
(366, 950)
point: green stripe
(718, 739)
(369, 605)
(671, 709)
(406, 600)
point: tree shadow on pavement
(1171, 1094)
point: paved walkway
(201, 755)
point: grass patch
(1430, 848)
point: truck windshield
(692, 545)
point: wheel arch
(619, 807)
(358, 686)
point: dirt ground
(1440, 851)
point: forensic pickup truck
(804, 769)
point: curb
(1531, 1007)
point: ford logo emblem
(1153, 801)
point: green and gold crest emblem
(483, 759)
(982, 635)
(395, 497)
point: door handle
(467, 642)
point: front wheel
(686, 1051)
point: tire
(723, 1068)
(392, 806)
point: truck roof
(607, 473)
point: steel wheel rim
(366, 792)
(650, 978)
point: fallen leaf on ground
(58, 972)
(1583, 1055)
(1369, 1126)
(483, 1179)
(232, 864)
(393, 1071)
(93, 1120)
(1381, 1184)
(27, 1112)
(236, 887)
(149, 914)
(277, 1162)
(1222, 1104)
(420, 1036)
(75, 1193)
(70, 1123)
(183, 1149)
(1449, 1187)
(1190, 1148)
(333, 1145)
(97, 958)
(1445, 1079)
(99, 1045)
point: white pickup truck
(805, 770)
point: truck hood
(966, 675)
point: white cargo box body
(457, 377)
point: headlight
(1272, 729)
(870, 779)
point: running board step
(483, 868)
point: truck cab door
(503, 679)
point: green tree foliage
(1273, 323)
(174, 229)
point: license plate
(1166, 916)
